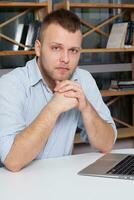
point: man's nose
(64, 57)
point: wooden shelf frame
(107, 50)
(101, 50)
(128, 130)
(116, 95)
(46, 4)
(40, 9)
(107, 93)
(68, 4)
(17, 52)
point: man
(44, 102)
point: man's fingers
(66, 86)
(72, 94)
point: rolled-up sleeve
(12, 119)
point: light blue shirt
(23, 94)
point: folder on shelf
(129, 34)
(18, 36)
(117, 35)
(32, 34)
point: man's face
(58, 53)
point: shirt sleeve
(12, 119)
(93, 95)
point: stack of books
(122, 85)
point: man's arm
(101, 134)
(31, 140)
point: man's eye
(74, 51)
(56, 48)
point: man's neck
(50, 83)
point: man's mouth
(62, 69)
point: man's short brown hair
(65, 18)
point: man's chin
(63, 78)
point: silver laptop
(111, 166)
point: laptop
(111, 165)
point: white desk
(57, 179)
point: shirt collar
(74, 76)
(34, 72)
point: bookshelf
(39, 9)
(128, 130)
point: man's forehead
(54, 33)
(54, 28)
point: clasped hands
(69, 94)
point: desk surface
(57, 179)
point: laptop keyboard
(124, 167)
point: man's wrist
(86, 107)
(53, 109)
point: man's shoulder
(17, 75)
(17, 79)
(83, 74)
(86, 79)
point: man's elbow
(108, 147)
(12, 166)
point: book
(129, 34)
(23, 37)
(117, 35)
(130, 82)
(18, 36)
(32, 34)
(122, 85)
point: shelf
(69, 5)
(101, 50)
(107, 50)
(106, 93)
(101, 5)
(8, 4)
(27, 5)
(19, 52)
(77, 139)
(125, 133)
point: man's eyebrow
(63, 45)
(75, 48)
(56, 43)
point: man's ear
(37, 48)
